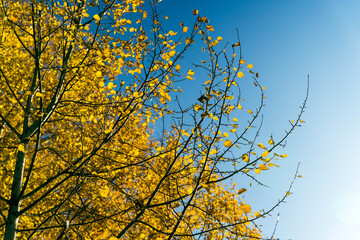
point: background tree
(92, 145)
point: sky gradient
(286, 40)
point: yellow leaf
(104, 193)
(197, 107)
(235, 119)
(271, 142)
(97, 17)
(242, 61)
(263, 167)
(98, 74)
(228, 143)
(212, 152)
(257, 171)
(246, 208)
(284, 155)
(191, 73)
(38, 94)
(239, 107)
(172, 33)
(219, 38)
(226, 134)
(260, 145)
(249, 111)
(264, 154)
(245, 157)
(250, 66)
(299, 176)
(241, 191)
(240, 74)
(21, 148)
(185, 29)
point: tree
(93, 144)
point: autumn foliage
(95, 142)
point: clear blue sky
(286, 40)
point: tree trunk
(14, 203)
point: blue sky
(286, 40)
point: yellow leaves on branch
(102, 128)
